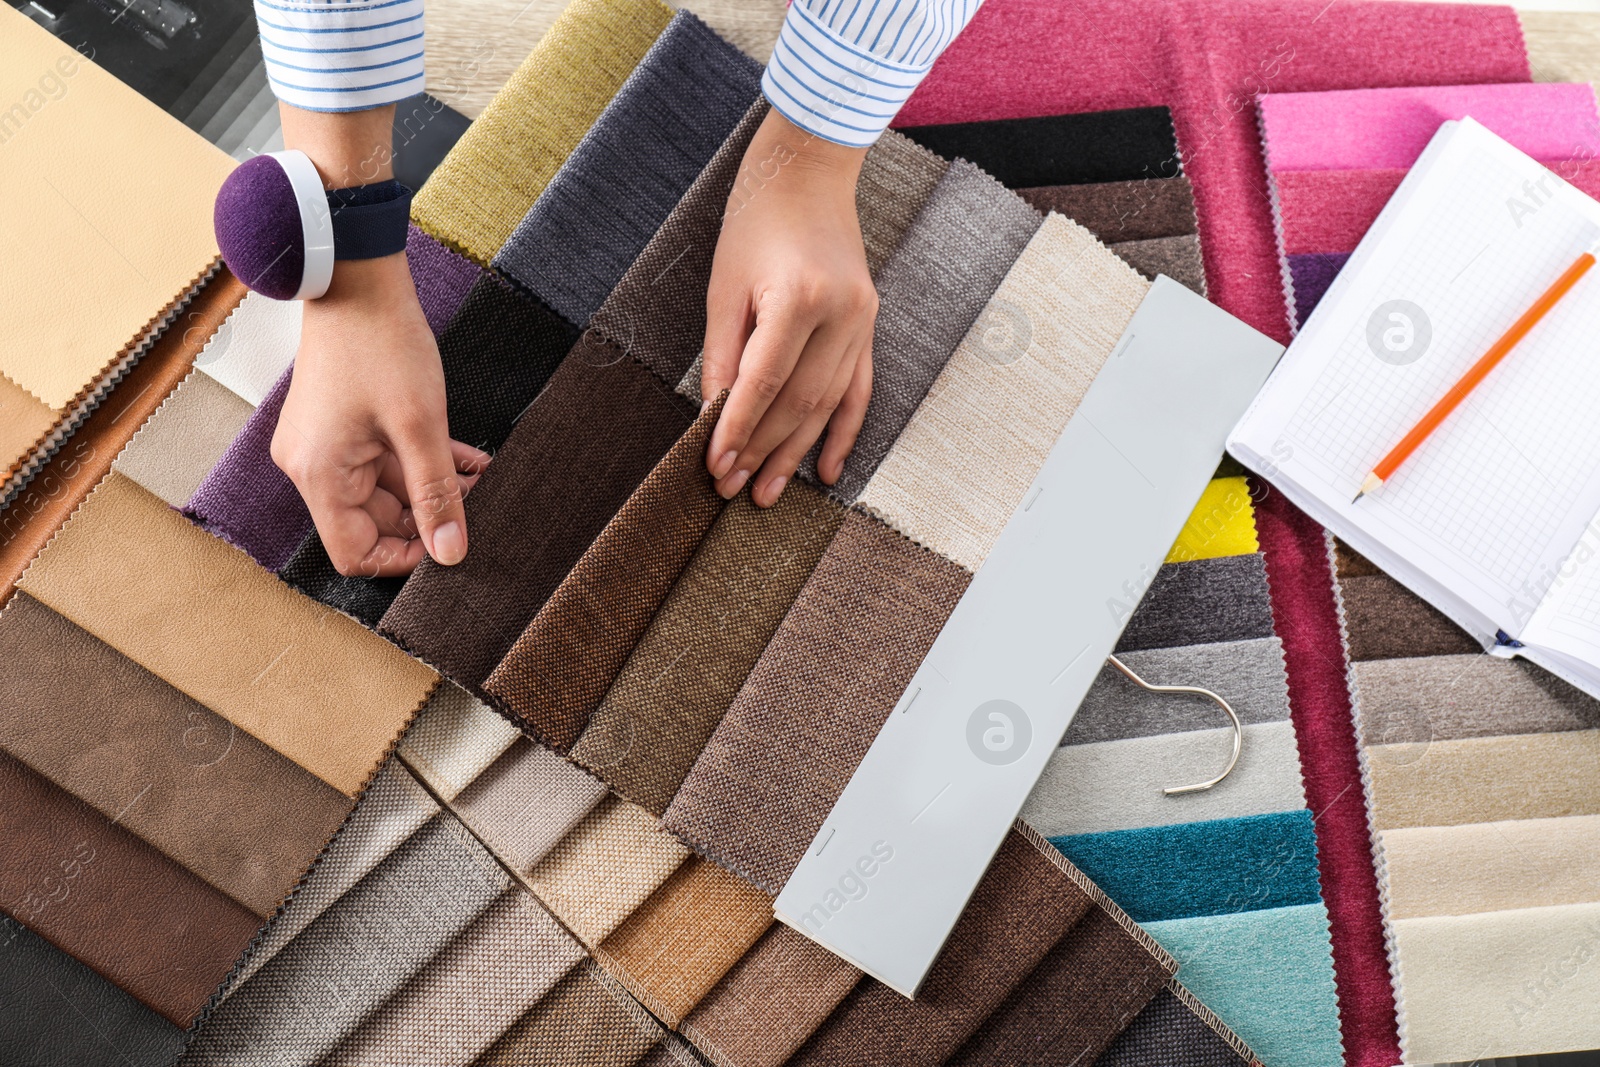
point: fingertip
(448, 545)
(729, 487)
(770, 491)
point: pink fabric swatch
(1379, 129)
(1208, 60)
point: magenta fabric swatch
(1208, 60)
(442, 278)
(1311, 275)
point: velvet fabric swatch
(1101, 146)
(1198, 602)
(813, 702)
(1498, 866)
(442, 277)
(558, 670)
(1223, 522)
(1177, 257)
(585, 443)
(1385, 620)
(587, 1020)
(454, 738)
(253, 347)
(1329, 211)
(178, 445)
(1310, 276)
(525, 802)
(642, 154)
(1169, 1032)
(1439, 698)
(1136, 210)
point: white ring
(316, 221)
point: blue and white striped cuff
(832, 87)
(342, 55)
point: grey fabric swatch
(1200, 601)
(931, 290)
(1249, 675)
(1438, 698)
(1167, 1034)
(642, 154)
(355, 955)
(1176, 257)
(179, 444)
(897, 178)
(526, 801)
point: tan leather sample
(174, 451)
(313, 684)
(24, 419)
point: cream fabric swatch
(1500, 983)
(1563, 46)
(962, 463)
(526, 801)
(455, 737)
(1484, 779)
(598, 874)
(1116, 785)
(1494, 866)
(87, 169)
(200, 614)
(254, 346)
(24, 420)
(750, 25)
(178, 445)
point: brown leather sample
(202, 616)
(814, 701)
(700, 646)
(587, 1020)
(180, 776)
(1137, 210)
(1385, 620)
(588, 440)
(559, 669)
(99, 893)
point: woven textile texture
(558, 670)
(931, 289)
(1170, 1033)
(442, 277)
(584, 445)
(814, 700)
(1122, 211)
(1101, 146)
(897, 178)
(170, 770)
(454, 738)
(587, 1020)
(1200, 601)
(177, 447)
(1500, 866)
(752, 25)
(312, 572)
(961, 464)
(701, 645)
(644, 151)
(526, 801)
(1177, 257)
(478, 194)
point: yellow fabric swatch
(1522, 863)
(502, 163)
(1223, 523)
(197, 612)
(24, 419)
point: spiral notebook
(1495, 520)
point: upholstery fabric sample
(453, 739)
(897, 178)
(205, 619)
(1499, 983)
(961, 464)
(1116, 785)
(1022, 906)
(1329, 211)
(1199, 601)
(481, 190)
(45, 996)
(442, 278)
(356, 954)
(558, 670)
(587, 1020)
(526, 801)
(1248, 674)
(251, 350)
(642, 154)
(751, 25)
(1169, 1033)
(468, 994)
(932, 288)
(1083, 994)
(24, 421)
(1223, 523)
(1484, 779)
(1478, 867)
(1101, 146)
(770, 1001)
(246, 499)
(170, 770)
(605, 868)
(1122, 211)
(814, 700)
(1440, 698)
(583, 446)
(312, 572)
(682, 940)
(1176, 257)
(701, 645)
(1310, 276)
(172, 453)
(1203, 868)
(97, 892)
(1385, 620)
(1279, 956)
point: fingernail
(724, 463)
(775, 489)
(735, 484)
(703, 405)
(449, 544)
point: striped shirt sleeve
(842, 68)
(341, 55)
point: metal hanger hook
(1192, 690)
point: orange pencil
(1480, 370)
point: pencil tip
(1358, 496)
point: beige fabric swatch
(1493, 866)
(177, 446)
(1441, 698)
(969, 452)
(1563, 46)
(750, 25)
(198, 613)
(526, 801)
(474, 46)
(897, 178)
(87, 171)
(254, 346)
(24, 419)
(1497, 984)
(587, 1020)
(1484, 779)
(455, 737)
(597, 875)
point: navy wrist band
(370, 221)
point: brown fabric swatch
(1348, 563)
(576, 454)
(814, 701)
(559, 669)
(897, 178)
(1081, 996)
(700, 646)
(525, 801)
(1385, 620)
(1023, 905)
(1440, 698)
(169, 769)
(1122, 211)
(771, 1001)
(1176, 257)
(682, 940)
(100, 894)
(587, 1020)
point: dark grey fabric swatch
(1167, 1034)
(312, 572)
(1199, 601)
(631, 168)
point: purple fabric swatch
(441, 276)
(1311, 274)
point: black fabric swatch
(312, 572)
(1100, 146)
